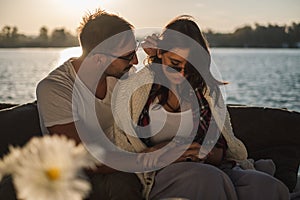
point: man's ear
(159, 54)
(99, 59)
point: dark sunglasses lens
(128, 57)
(131, 56)
(174, 69)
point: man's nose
(134, 60)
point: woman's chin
(177, 80)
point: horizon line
(252, 25)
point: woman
(181, 71)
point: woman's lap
(193, 181)
(201, 181)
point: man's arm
(69, 130)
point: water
(21, 70)
(262, 77)
(258, 77)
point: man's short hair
(99, 26)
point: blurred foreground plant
(48, 168)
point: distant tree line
(10, 38)
(271, 36)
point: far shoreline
(225, 47)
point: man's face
(122, 59)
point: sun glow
(66, 14)
(83, 6)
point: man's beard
(122, 75)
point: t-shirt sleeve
(55, 103)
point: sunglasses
(175, 69)
(128, 57)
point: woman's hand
(150, 45)
(192, 154)
(215, 157)
(174, 151)
(155, 147)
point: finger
(148, 45)
(181, 159)
(151, 40)
(203, 154)
(149, 48)
(192, 152)
(195, 145)
(155, 35)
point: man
(108, 52)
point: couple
(183, 94)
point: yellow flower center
(53, 173)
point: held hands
(192, 154)
(150, 45)
(162, 155)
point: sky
(218, 15)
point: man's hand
(166, 153)
(70, 131)
(192, 154)
(150, 45)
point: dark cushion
(270, 133)
(6, 105)
(267, 133)
(18, 125)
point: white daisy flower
(9, 161)
(50, 168)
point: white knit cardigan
(236, 150)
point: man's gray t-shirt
(59, 102)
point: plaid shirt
(201, 127)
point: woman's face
(174, 62)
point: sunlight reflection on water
(261, 77)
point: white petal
(43, 153)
